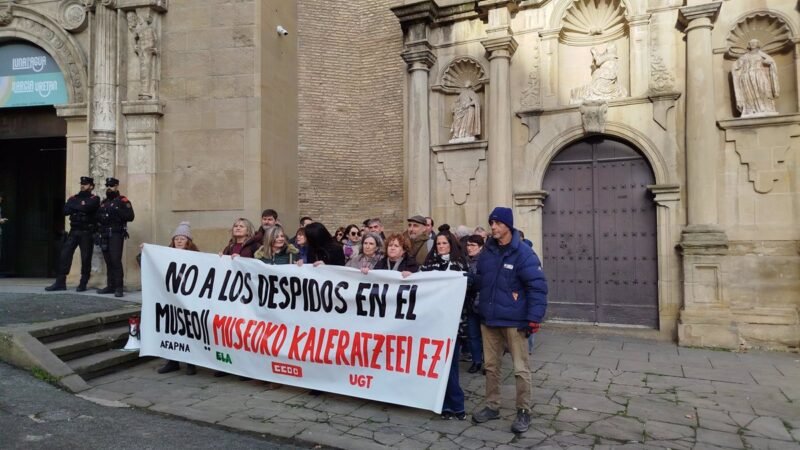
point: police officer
(82, 211)
(112, 218)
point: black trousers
(75, 239)
(113, 257)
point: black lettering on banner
(360, 298)
(342, 308)
(222, 297)
(208, 285)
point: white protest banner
(376, 336)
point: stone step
(66, 328)
(113, 337)
(103, 363)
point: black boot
(59, 285)
(106, 290)
(170, 366)
(82, 285)
(118, 292)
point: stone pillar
(419, 57)
(103, 84)
(639, 54)
(797, 69)
(702, 141)
(667, 198)
(501, 46)
(77, 166)
(528, 210)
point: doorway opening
(599, 235)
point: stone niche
(777, 41)
(589, 26)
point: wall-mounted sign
(29, 76)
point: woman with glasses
(339, 234)
(350, 243)
(371, 248)
(446, 255)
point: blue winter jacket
(513, 290)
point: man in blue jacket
(513, 301)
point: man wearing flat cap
(418, 238)
(113, 216)
(82, 211)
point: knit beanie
(503, 215)
(183, 230)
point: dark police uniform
(82, 210)
(112, 219)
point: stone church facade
(648, 148)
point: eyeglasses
(354, 233)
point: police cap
(111, 182)
(87, 180)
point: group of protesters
(504, 303)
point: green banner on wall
(29, 76)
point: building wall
(350, 113)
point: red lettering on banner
(437, 356)
(364, 381)
(376, 352)
(294, 347)
(341, 346)
(287, 369)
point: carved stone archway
(36, 28)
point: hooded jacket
(512, 286)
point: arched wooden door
(599, 231)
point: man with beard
(82, 210)
(113, 216)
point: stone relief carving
(6, 16)
(770, 30)
(661, 79)
(605, 83)
(461, 71)
(72, 15)
(466, 116)
(755, 82)
(531, 96)
(593, 115)
(589, 22)
(101, 155)
(460, 165)
(144, 38)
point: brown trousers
(495, 339)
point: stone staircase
(72, 351)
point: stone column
(797, 68)
(639, 54)
(501, 46)
(419, 57)
(702, 141)
(103, 113)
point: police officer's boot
(106, 290)
(118, 292)
(59, 285)
(82, 285)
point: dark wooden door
(599, 230)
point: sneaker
(485, 415)
(475, 367)
(460, 415)
(447, 415)
(522, 422)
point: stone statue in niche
(466, 116)
(755, 82)
(605, 83)
(145, 45)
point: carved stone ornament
(6, 16)
(101, 155)
(72, 15)
(593, 115)
(144, 38)
(466, 116)
(661, 79)
(531, 95)
(460, 163)
(589, 22)
(771, 31)
(605, 83)
(463, 71)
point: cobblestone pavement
(590, 391)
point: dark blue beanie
(504, 215)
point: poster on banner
(376, 336)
